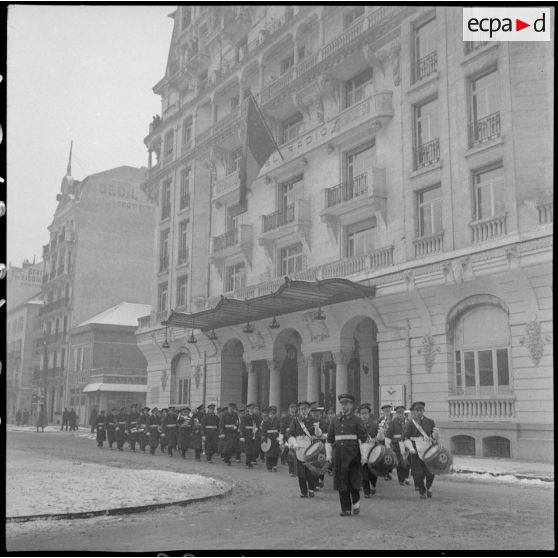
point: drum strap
(303, 426)
(419, 428)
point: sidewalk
(503, 469)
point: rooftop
(124, 313)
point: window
(361, 238)
(496, 446)
(485, 108)
(242, 49)
(288, 191)
(291, 128)
(78, 359)
(235, 158)
(425, 56)
(358, 163)
(185, 188)
(463, 445)
(65, 327)
(187, 132)
(234, 103)
(166, 200)
(162, 295)
(164, 251)
(181, 289)
(287, 63)
(429, 211)
(20, 324)
(355, 87)
(291, 259)
(427, 144)
(350, 17)
(183, 391)
(489, 193)
(62, 359)
(235, 277)
(169, 145)
(183, 242)
(482, 342)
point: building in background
(23, 282)
(110, 369)
(99, 254)
(22, 364)
(414, 195)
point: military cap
(313, 405)
(233, 405)
(272, 409)
(114, 409)
(211, 406)
(301, 403)
(386, 406)
(186, 408)
(200, 407)
(418, 404)
(399, 407)
(293, 404)
(250, 406)
(146, 409)
(134, 405)
(365, 406)
(154, 409)
(172, 407)
(346, 397)
(122, 408)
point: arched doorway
(181, 380)
(359, 340)
(234, 375)
(286, 352)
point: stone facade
(410, 161)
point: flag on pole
(259, 144)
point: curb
(115, 511)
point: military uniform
(110, 426)
(132, 427)
(210, 432)
(100, 426)
(153, 425)
(395, 434)
(143, 429)
(121, 423)
(249, 434)
(184, 422)
(422, 477)
(285, 431)
(170, 428)
(271, 428)
(228, 430)
(383, 425)
(369, 477)
(306, 480)
(197, 444)
(343, 438)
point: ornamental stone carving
(428, 351)
(534, 341)
(317, 329)
(197, 375)
(164, 378)
(256, 340)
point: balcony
(471, 46)
(484, 130)
(238, 241)
(238, 23)
(198, 62)
(364, 193)
(144, 321)
(295, 218)
(497, 407)
(226, 189)
(430, 244)
(56, 305)
(277, 85)
(184, 201)
(488, 229)
(545, 208)
(426, 154)
(424, 67)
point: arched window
(463, 445)
(482, 351)
(180, 380)
(496, 446)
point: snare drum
(438, 459)
(365, 450)
(301, 445)
(266, 445)
(315, 458)
(382, 460)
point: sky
(81, 73)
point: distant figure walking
(73, 419)
(25, 417)
(65, 419)
(40, 419)
(93, 419)
(18, 417)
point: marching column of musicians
(353, 446)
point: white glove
(363, 457)
(292, 442)
(388, 442)
(329, 451)
(381, 434)
(409, 446)
(242, 440)
(280, 439)
(436, 433)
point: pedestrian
(221, 444)
(285, 429)
(154, 431)
(65, 419)
(283, 424)
(111, 427)
(101, 428)
(228, 429)
(196, 442)
(121, 422)
(369, 477)
(40, 419)
(270, 432)
(342, 446)
(143, 428)
(210, 432)
(162, 434)
(395, 434)
(420, 433)
(25, 417)
(248, 430)
(170, 428)
(73, 419)
(383, 425)
(18, 417)
(132, 426)
(301, 432)
(261, 416)
(238, 446)
(184, 422)
(93, 418)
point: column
(261, 69)
(313, 378)
(252, 395)
(341, 376)
(322, 30)
(274, 383)
(150, 160)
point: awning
(292, 296)
(131, 388)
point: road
(264, 511)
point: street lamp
(45, 372)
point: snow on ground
(45, 484)
(488, 477)
(504, 467)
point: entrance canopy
(292, 296)
(132, 388)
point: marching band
(353, 446)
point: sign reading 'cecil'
(118, 190)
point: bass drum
(382, 460)
(438, 459)
(365, 450)
(301, 445)
(315, 458)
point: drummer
(395, 433)
(270, 432)
(285, 427)
(369, 477)
(419, 433)
(343, 438)
(302, 429)
(383, 424)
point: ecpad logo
(506, 24)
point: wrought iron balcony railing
(426, 154)
(484, 129)
(424, 66)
